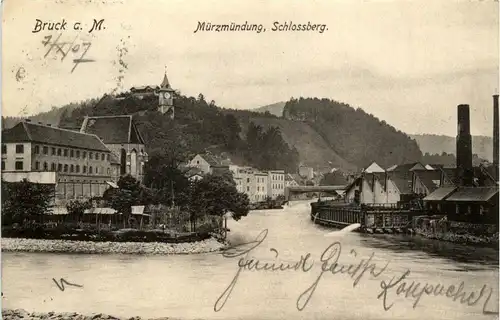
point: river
(187, 286)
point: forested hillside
(197, 126)
(358, 137)
(320, 133)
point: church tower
(166, 97)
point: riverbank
(70, 246)
(466, 239)
(9, 314)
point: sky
(409, 63)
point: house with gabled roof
(121, 135)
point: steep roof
(402, 180)
(193, 171)
(439, 194)
(407, 167)
(473, 194)
(33, 132)
(373, 167)
(113, 129)
(165, 84)
(429, 178)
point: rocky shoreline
(466, 239)
(69, 246)
(16, 314)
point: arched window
(133, 162)
(90, 170)
(123, 162)
(72, 168)
(65, 168)
(45, 166)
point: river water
(187, 286)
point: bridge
(291, 191)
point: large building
(121, 136)
(276, 183)
(77, 164)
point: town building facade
(77, 164)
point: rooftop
(473, 194)
(33, 132)
(113, 129)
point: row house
(276, 184)
(79, 165)
(258, 185)
(396, 184)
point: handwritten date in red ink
(63, 49)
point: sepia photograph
(210, 159)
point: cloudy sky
(409, 63)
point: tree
(25, 200)
(77, 207)
(125, 196)
(216, 195)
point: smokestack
(464, 147)
(495, 135)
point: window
(59, 151)
(84, 154)
(19, 148)
(45, 166)
(109, 171)
(103, 156)
(45, 150)
(35, 151)
(90, 169)
(72, 153)
(78, 153)
(53, 151)
(37, 165)
(77, 168)
(90, 155)
(72, 168)
(84, 169)
(59, 166)
(4, 148)
(198, 162)
(3, 165)
(107, 156)
(52, 167)
(19, 164)
(65, 152)
(248, 188)
(65, 168)
(248, 180)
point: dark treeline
(198, 126)
(355, 135)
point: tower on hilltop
(166, 97)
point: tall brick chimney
(464, 147)
(495, 135)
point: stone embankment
(68, 246)
(16, 314)
(467, 239)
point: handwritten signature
(330, 265)
(64, 48)
(63, 281)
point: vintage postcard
(213, 159)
